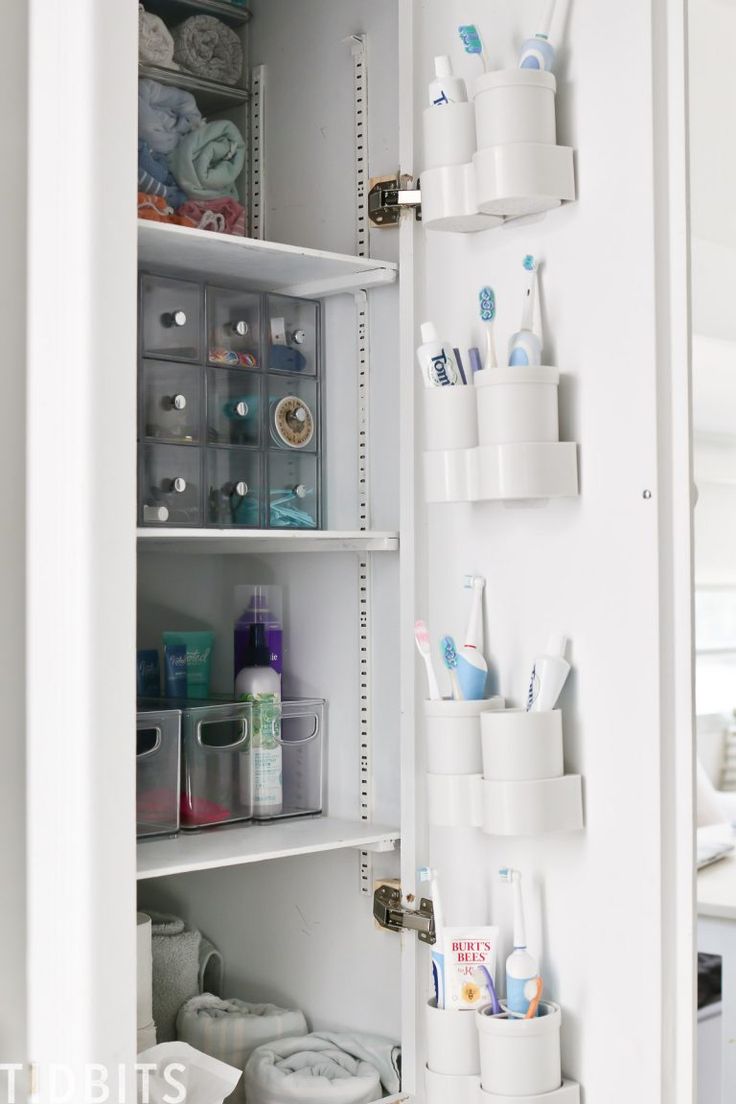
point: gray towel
(208, 48)
(176, 970)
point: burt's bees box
(464, 965)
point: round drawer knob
(300, 414)
(299, 337)
(178, 402)
(240, 488)
(241, 408)
(178, 484)
(240, 328)
(301, 491)
(175, 318)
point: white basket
(537, 808)
(515, 105)
(453, 734)
(449, 135)
(520, 1057)
(450, 417)
(521, 746)
(450, 201)
(455, 800)
(447, 1089)
(517, 404)
(523, 179)
(452, 1041)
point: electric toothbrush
(525, 347)
(538, 52)
(472, 669)
(426, 874)
(488, 317)
(522, 969)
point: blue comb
(487, 304)
(471, 39)
(529, 263)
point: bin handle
(307, 739)
(156, 746)
(223, 747)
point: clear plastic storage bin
(233, 328)
(234, 488)
(158, 741)
(293, 338)
(293, 491)
(293, 413)
(170, 476)
(303, 750)
(234, 411)
(171, 318)
(170, 402)
(216, 774)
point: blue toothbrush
(449, 658)
(488, 317)
(473, 43)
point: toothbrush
(449, 657)
(460, 366)
(521, 966)
(488, 316)
(525, 347)
(483, 974)
(473, 43)
(421, 635)
(426, 874)
(536, 998)
(538, 52)
(472, 669)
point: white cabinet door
(612, 904)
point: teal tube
(199, 647)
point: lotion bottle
(446, 88)
(260, 684)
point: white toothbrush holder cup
(452, 1041)
(520, 1057)
(441, 1088)
(517, 405)
(449, 135)
(515, 105)
(454, 734)
(522, 747)
(450, 417)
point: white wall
(587, 567)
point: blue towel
(155, 177)
(165, 115)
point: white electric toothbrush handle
(547, 18)
(519, 926)
(434, 690)
(474, 634)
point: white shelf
(239, 541)
(257, 265)
(237, 845)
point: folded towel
(165, 115)
(179, 964)
(208, 48)
(156, 209)
(224, 216)
(208, 161)
(155, 176)
(211, 968)
(155, 44)
(314, 1069)
(382, 1053)
(230, 1030)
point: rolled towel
(230, 1030)
(165, 115)
(208, 48)
(225, 216)
(208, 161)
(175, 950)
(309, 1070)
(144, 982)
(155, 176)
(155, 44)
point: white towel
(230, 1030)
(144, 989)
(146, 1037)
(155, 44)
(311, 1070)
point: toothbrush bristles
(529, 263)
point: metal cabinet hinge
(389, 912)
(390, 195)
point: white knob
(300, 414)
(240, 328)
(178, 402)
(241, 408)
(299, 337)
(177, 484)
(176, 318)
(301, 491)
(241, 488)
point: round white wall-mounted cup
(455, 800)
(517, 404)
(450, 417)
(524, 178)
(515, 105)
(520, 746)
(452, 1041)
(520, 1057)
(450, 201)
(453, 734)
(443, 1088)
(449, 135)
